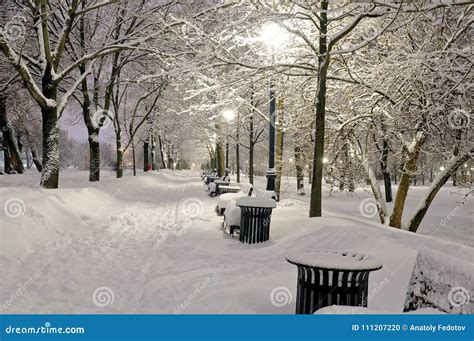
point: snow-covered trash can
(329, 277)
(255, 216)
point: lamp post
(271, 173)
(274, 36)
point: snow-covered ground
(153, 244)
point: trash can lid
(256, 202)
(335, 260)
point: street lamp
(228, 115)
(274, 36)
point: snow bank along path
(153, 244)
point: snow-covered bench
(227, 189)
(251, 216)
(439, 284)
(210, 178)
(214, 186)
(228, 199)
(442, 282)
(232, 212)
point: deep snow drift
(153, 244)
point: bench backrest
(260, 193)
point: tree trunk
(50, 171)
(162, 156)
(323, 65)
(93, 128)
(94, 155)
(29, 158)
(299, 171)
(118, 144)
(169, 158)
(374, 185)
(153, 152)
(146, 147)
(385, 172)
(12, 158)
(404, 185)
(36, 161)
(34, 151)
(415, 220)
(220, 159)
(134, 159)
(227, 155)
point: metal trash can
(255, 216)
(330, 277)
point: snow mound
(441, 281)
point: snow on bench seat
(228, 189)
(256, 202)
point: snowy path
(153, 244)
(147, 255)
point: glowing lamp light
(228, 115)
(442, 168)
(325, 160)
(273, 35)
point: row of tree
(379, 88)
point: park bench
(210, 178)
(206, 174)
(327, 277)
(228, 199)
(251, 217)
(227, 189)
(442, 282)
(213, 187)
